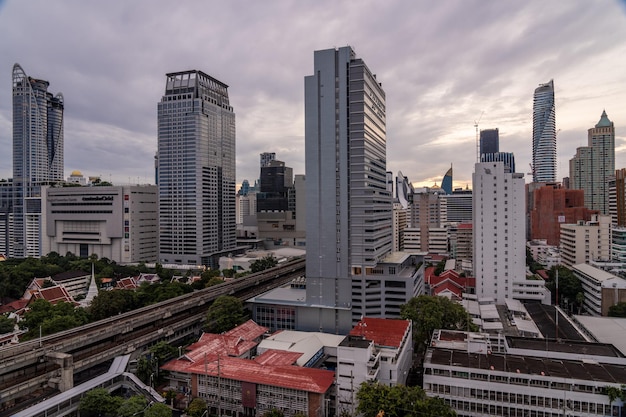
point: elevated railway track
(31, 366)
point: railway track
(30, 366)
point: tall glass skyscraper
(37, 158)
(196, 170)
(544, 134)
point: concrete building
(374, 350)
(225, 371)
(513, 376)
(115, 222)
(553, 206)
(349, 206)
(400, 216)
(280, 213)
(618, 244)
(499, 232)
(458, 206)
(602, 289)
(489, 141)
(37, 159)
(544, 134)
(427, 212)
(617, 197)
(586, 241)
(464, 246)
(196, 170)
(593, 165)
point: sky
(444, 66)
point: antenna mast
(476, 122)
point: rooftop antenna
(476, 122)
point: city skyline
(441, 66)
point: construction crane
(476, 122)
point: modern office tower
(114, 222)
(349, 210)
(245, 188)
(276, 204)
(446, 182)
(6, 216)
(489, 141)
(266, 158)
(37, 157)
(583, 242)
(507, 157)
(499, 231)
(544, 134)
(276, 181)
(553, 205)
(458, 206)
(196, 141)
(617, 198)
(594, 164)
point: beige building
(115, 222)
(400, 222)
(602, 289)
(586, 241)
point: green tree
(111, 303)
(618, 310)
(569, 285)
(196, 408)
(158, 410)
(99, 402)
(225, 313)
(263, 264)
(214, 281)
(6, 324)
(399, 400)
(429, 313)
(134, 406)
(50, 318)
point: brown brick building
(553, 205)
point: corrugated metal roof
(248, 331)
(277, 357)
(383, 332)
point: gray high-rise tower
(544, 134)
(196, 170)
(37, 158)
(349, 210)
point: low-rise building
(601, 289)
(523, 377)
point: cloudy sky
(443, 65)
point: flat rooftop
(527, 365)
(545, 319)
(565, 346)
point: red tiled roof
(53, 295)
(464, 226)
(277, 357)
(247, 370)
(210, 343)
(13, 306)
(126, 284)
(543, 274)
(247, 331)
(383, 332)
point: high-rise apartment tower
(544, 134)
(37, 157)
(196, 170)
(593, 165)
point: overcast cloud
(442, 64)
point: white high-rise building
(196, 170)
(499, 230)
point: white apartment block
(400, 216)
(375, 350)
(586, 241)
(523, 377)
(499, 230)
(602, 289)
